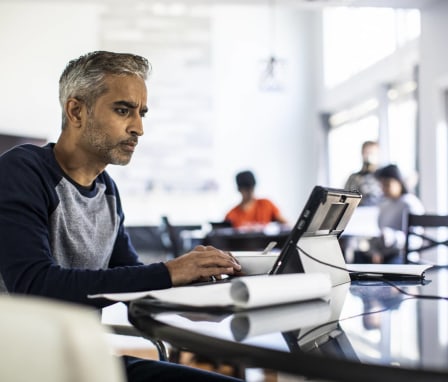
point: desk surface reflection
(368, 331)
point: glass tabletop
(366, 322)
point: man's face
(370, 154)
(112, 128)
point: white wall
(273, 132)
(36, 42)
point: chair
(422, 233)
(114, 318)
(52, 341)
(170, 237)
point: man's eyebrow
(130, 105)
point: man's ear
(74, 111)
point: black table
(369, 331)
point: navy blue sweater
(61, 240)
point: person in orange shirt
(252, 211)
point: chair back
(170, 237)
(46, 340)
(422, 233)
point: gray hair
(83, 78)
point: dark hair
(83, 78)
(392, 172)
(245, 180)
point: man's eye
(143, 114)
(122, 111)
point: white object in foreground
(241, 292)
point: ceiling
(289, 3)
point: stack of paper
(242, 292)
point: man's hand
(201, 264)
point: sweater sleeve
(26, 261)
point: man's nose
(137, 126)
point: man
(61, 221)
(364, 180)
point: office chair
(52, 341)
(420, 237)
(114, 318)
(170, 237)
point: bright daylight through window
(347, 53)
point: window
(397, 138)
(391, 119)
(347, 52)
(348, 130)
(402, 130)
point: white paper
(242, 292)
(278, 289)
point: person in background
(251, 211)
(61, 220)
(397, 203)
(364, 180)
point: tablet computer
(313, 245)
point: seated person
(251, 211)
(397, 203)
